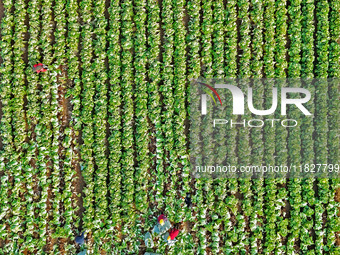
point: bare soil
(2, 10)
(337, 199)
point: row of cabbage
(37, 185)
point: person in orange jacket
(40, 68)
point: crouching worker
(40, 68)
(83, 252)
(161, 219)
(80, 239)
(169, 238)
(187, 200)
(162, 226)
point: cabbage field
(100, 142)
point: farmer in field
(173, 234)
(80, 239)
(40, 68)
(187, 200)
(169, 238)
(82, 252)
(161, 219)
(163, 225)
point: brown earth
(2, 12)
(337, 199)
(1, 16)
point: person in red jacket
(173, 233)
(40, 68)
(161, 219)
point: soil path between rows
(2, 12)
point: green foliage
(114, 107)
